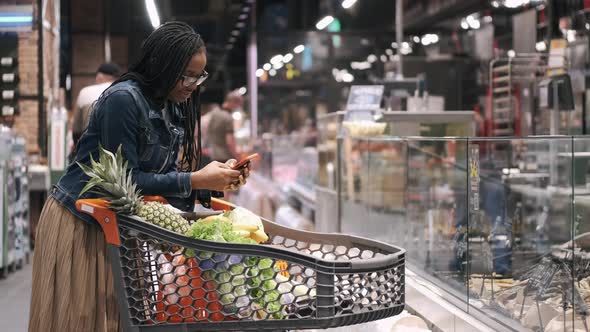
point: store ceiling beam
(419, 19)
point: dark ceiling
(215, 20)
(279, 24)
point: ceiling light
(495, 4)
(246, 9)
(235, 32)
(406, 49)
(267, 66)
(389, 51)
(272, 72)
(487, 19)
(240, 25)
(511, 53)
(16, 19)
(416, 39)
(360, 65)
(464, 24)
(277, 65)
(515, 3)
(276, 59)
(287, 57)
(232, 39)
(394, 45)
(324, 22)
(372, 58)
(348, 3)
(242, 91)
(429, 38)
(347, 77)
(243, 16)
(541, 46)
(473, 22)
(259, 72)
(383, 58)
(405, 45)
(587, 26)
(152, 13)
(298, 49)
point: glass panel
(580, 253)
(328, 128)
(523, 213)
(437, 211)
(285, 153)
(382, 189)
(429, 124)
(353, 211)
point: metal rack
(507, 76)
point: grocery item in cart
(109, 179)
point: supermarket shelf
(502, 69)
(39, 178)
(504, 132)
(502, 89)
(502, 100)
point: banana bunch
(251, 228)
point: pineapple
(110, 179)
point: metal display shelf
(14, 208)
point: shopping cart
(299, 280)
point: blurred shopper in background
(220, 129)
(206, 110)
(106, 74)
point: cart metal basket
(300, 280)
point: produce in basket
(110, 179)
(248, 285)
(246, 220)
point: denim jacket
(124, 116)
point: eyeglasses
(190, 80)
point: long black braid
(164, 56)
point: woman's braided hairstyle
(164, 56)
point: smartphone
(246, 161)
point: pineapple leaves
(87, 170)
(91, 184)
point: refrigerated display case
(333, 128)
(504, 233)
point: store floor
(15, 297)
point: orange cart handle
(221, 205)
(99, 209)
(159, 199)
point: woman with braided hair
(152, 111)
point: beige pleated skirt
(72, 280)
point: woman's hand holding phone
(216, 176)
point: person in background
(205, 116)
(220, 129)
(106, 74)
